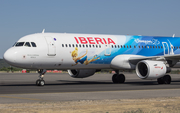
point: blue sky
(134, 17)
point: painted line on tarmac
(1, 96)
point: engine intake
(148, 69)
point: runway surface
(19, 88)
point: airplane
(152, 57)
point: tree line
(10, 69)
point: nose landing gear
(40, 81)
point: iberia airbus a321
(84, 54)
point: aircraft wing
(135, 60)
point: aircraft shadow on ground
(68, 82)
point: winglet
(43, 30)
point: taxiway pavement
(21, 88)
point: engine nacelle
(148, 69)
(81, 73)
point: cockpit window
(14, 44)
(19, 44)
(27, 44)
(33, 44)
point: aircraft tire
(164, 80)
(160, 80)
(118, 78)
(167, 79)
(37, 82)
(42, 83)
(121, 78)
(114, 78)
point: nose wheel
(40, 81)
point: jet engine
(81, 73)
(148, 69)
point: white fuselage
(85, 51)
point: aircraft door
(166, 48)
(107, 50)
(51, 46)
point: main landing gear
(118, 78)
(164, 80)
(40, 81)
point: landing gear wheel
(118, 78)
(167, 79)
(114, 78)
(164, 80)
(37, 82)
(40, 82)
(160, 80)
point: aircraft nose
(10, 56)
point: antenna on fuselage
(173, 35)
(43, 30)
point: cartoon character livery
(84, 54)
(82, 59)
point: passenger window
(62, 45)
(86, 45)
(112, 46)
(19, 44)
(93, 45)
(27, 44)
(83, 45)
(134, 46)
(66, 45)
(69, 45)
(130, 46)
(99, 46)
(73, 45)
(90, 46)
(76, 45)
(33, 44)
(96, 46)
(79, 45)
